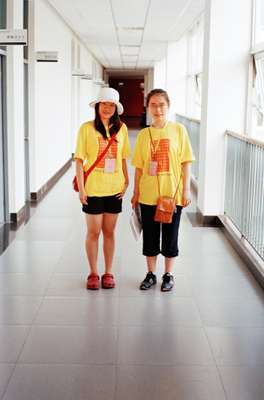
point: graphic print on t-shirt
(110, 154)
(160, 153)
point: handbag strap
(100, 157)
(152, 144)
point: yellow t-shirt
(90, 143)
(170, 148)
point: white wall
(52, 144)
(160, 74)
(225, 84)
(176, 75)
(60, 100)
(15, 111)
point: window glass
(2, 14)
(258, 98)
(258, 36)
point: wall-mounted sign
(13, 36)
(81, 74)
(47, 56)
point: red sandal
(92, 282)
(108, 281)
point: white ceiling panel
(126, 12)
(129, 58)
(129, 50)
(153, 50)
(111, 51)
(131, 37)
(112, 28)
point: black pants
(152, 229)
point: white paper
(135, 223)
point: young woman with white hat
(103, 146)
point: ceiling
(128, 34)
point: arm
(186, 178)
(138, 174)
(79, 175)
(124, 169)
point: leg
(108, 228)
(151, 263)
(170, 249)
(94, 227)
(151, 244)
(169, 263)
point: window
(257, 116)
(25, 25)
(2, 14)
(195, 66)
(258, 31)
(2, 17)
(258, 97)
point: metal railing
(244, 188)
(193, 128)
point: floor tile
(18, 310)
(31, 257)
(228, 311)
(237, 346)
(49, 229)
(12, 339)
(70, 344)
(158, 311)
(93, 311)
(170, 383)
(243, 383)
(6, 371)
(24, 284)
(56, 382)
(163, 346)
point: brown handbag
(166, 205)
(165, 209)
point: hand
(83, 197)
(121, 194)
(186, 197)
(134, 200)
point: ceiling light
(131, 28)
(130, 45)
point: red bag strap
(100, 157)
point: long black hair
(114, 121)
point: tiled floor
(204, 340)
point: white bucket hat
(111, 95)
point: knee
(92, 235)
(108, 233)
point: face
(158, 107)
(106, 110)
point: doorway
(131, 90)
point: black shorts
(101, 205)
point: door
(3, 172)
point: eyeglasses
(162, 105)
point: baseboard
(37, 196)
(20, 216)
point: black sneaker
(149, 281)
(167, 282)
